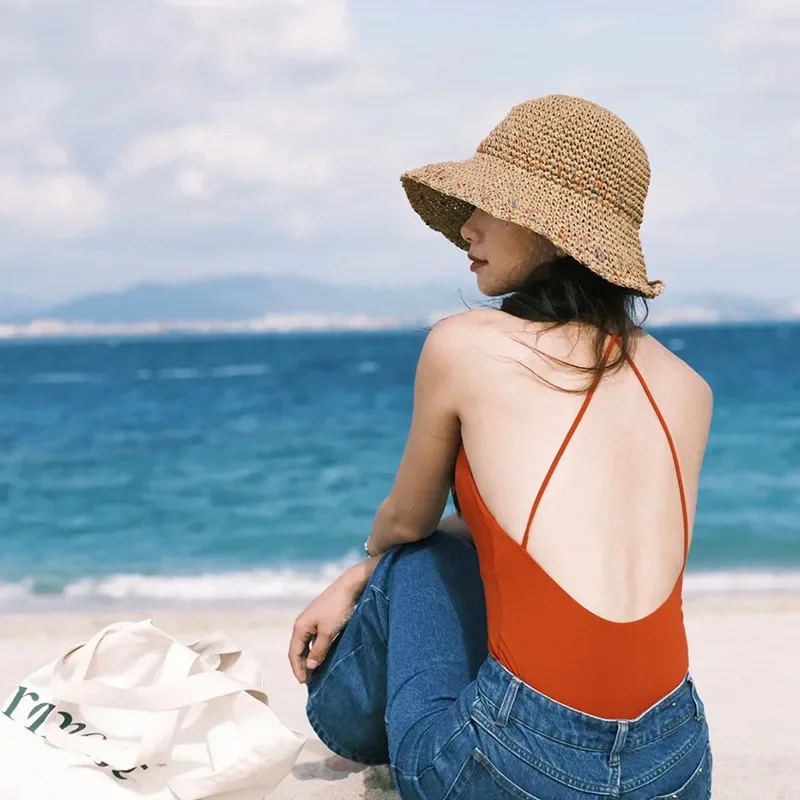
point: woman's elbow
(405, 534)
(395, 526)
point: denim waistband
(514, 699)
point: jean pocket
(479, 779)
(698, 786)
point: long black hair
(563, 291)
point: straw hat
(567, 169)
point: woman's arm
(317, 627)
(360, 574)
(418, 497)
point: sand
(746, 661)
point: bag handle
(232, 661)
(177, 687)
(216, 643)
(169, 699)
(170, 696)
(178, 661)
(83, 654)
(69, 684)
(166, 700)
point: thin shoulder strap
(564, 444)
(675, 459)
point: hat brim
(590, 230)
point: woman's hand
(317, 627)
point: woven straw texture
(564, 167)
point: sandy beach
(746, 660)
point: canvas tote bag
(134, 713)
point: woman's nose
(468, 229)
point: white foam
(191, 373)
(240, 370)
(64, 377)
(278, 584)
(180, 374)
(742, 582)
(368, 367)
(295, 584)
(10, 592)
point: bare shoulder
(445, 341)
(478, 324)
(473, 319)
(676, 372)
(456, 347)
(485, 330)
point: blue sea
(230, 470)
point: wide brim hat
(564, 167)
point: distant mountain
(248, 297)
(13, 307)
(251, 296)
(712, 307)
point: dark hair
(563, 291)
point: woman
(535, 646)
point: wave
(240, 370)
(64, 377)
(368, 367)
(180, 374)
(282, 584)
(192, 374)
(293, 585)
(741, 582)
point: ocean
(246, 469)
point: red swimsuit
(615, 670)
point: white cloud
(319, 31)
(173, 138)
(760, 23)
(178, 100)
(240, 36)
(42, 192)
(61, 204)
(235, 154)
(192, 183)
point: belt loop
(619, 743)
(508, 701)
(698, 706)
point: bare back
(609, 528)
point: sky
(166, 140)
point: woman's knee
(347, 693)
(443, 557)
(346, 706)
(413, 555)
(438, 548)
(351, 735)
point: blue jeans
(410, 683)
